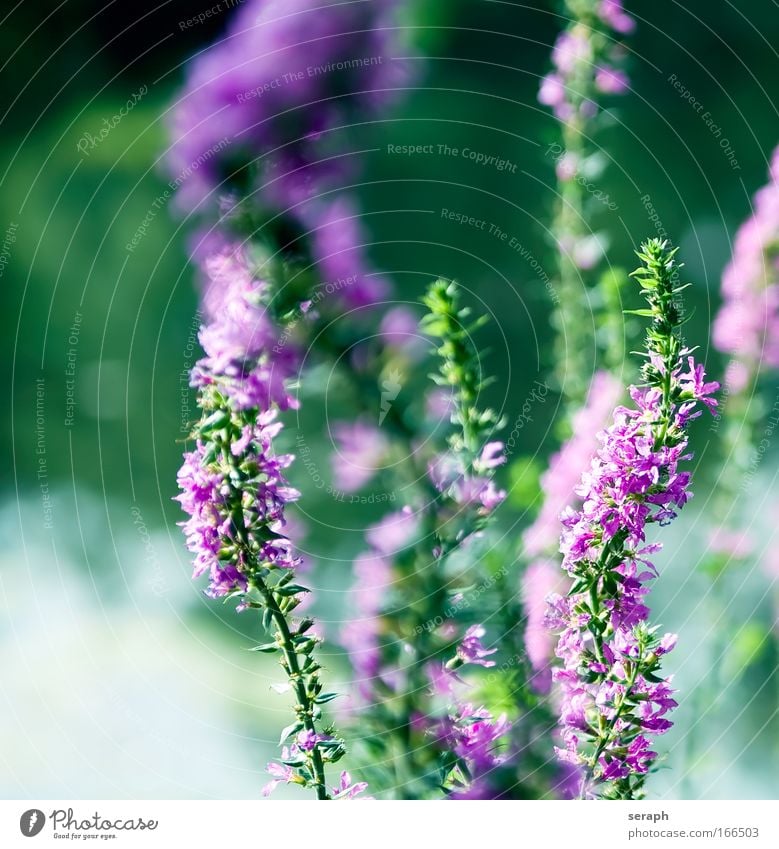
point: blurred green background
(121, 679)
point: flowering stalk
(613, 698)
(747, 329)
(463, 476)
(404, 603)
(540, 541)
(265, 161)
(473, 767)
(467, 736)
(257, 140)
(587, 63)
(747, 326)
(234, 490)
(587, 66)
(403, 608)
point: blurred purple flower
(584, 65)
(540, 579)
(283, 76)
(338, 246)
(733, 543)
(399, 330)
(394, 532)
(611, 80)
(612, 13)
(747, 325)
(360, 635)
(564, 472)
(471, 650)
(360, 447)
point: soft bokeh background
(120, 679)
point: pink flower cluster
(450, 477)
(210, 501)
(747, 326)
(359, 449)
(242, 343)
(361, 635)
(540, 579)
(560, 479)
(541, 539)
(586, 63)
(470, 732)
(612, 698)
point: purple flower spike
(747, 325)
(612, 696)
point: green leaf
(651, 677)
(214, 422)
(325, 698)
(330, 744)
(291, 729)
(579, 586)
(266, 648)
(291, 589)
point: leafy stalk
(613, 698)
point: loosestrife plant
(747, 329)
(588, 66)
(234, 490)
(467, 736)
(541, 540)
(250, 159)
(405, 630)
(588, 62)
(614, 699)
(747, 326)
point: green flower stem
(305, 707)
(276, 606)
(572, 336)
(606, 733)
(582, 292)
